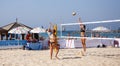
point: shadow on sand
(71, 57)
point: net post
(61, 29)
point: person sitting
(34, 40)
(29, 37)
(116, 43)
(97, 35)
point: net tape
(107, 21)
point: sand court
(68, 57)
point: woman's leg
(83, 44)
(51, 51)
(83, 40)
(57, 51)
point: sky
(37, 13)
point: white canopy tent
(101, 29)
(38, 30)
(19, 30)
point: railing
(9, 44)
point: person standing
(53, 43)
(82, 34)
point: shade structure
(2, 30)
(101, 29)
(38, 30)
(19, 30)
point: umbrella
(101, 29)
(19, 30)
(38, 30)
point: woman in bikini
(82, 34)
(53, 44)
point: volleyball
(74, 13)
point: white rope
(107, 21)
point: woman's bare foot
(51, 58)
(82, 53)
(79, 54)
(57, 57)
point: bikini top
(82, 29)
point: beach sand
(68, 57)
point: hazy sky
(36, 13)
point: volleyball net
(108, 29)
